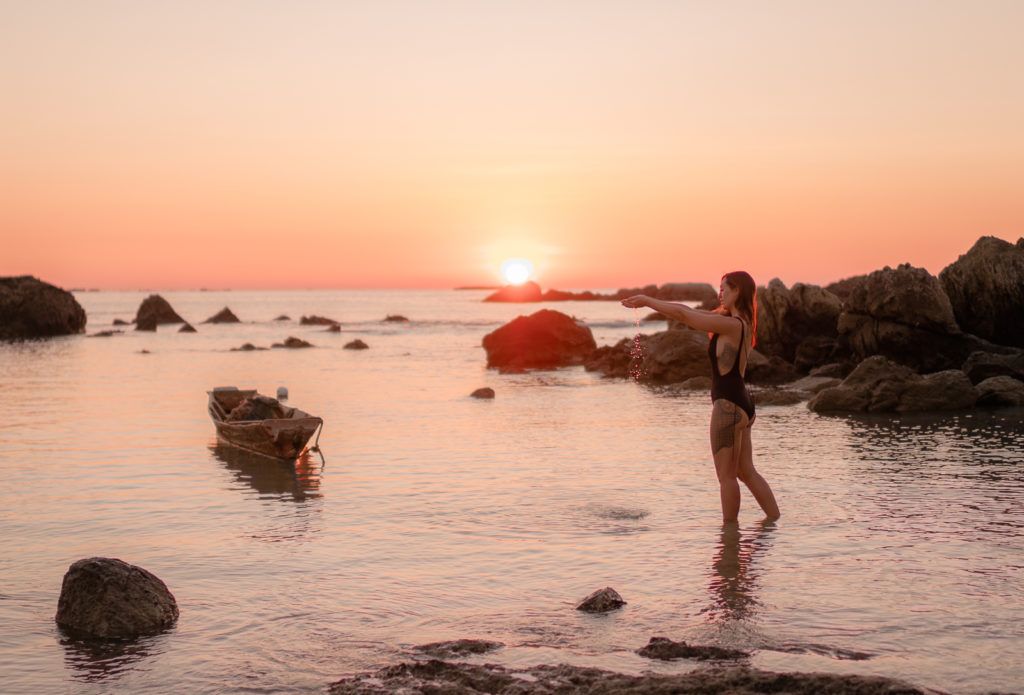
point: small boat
(264, 426)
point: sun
(516, 271)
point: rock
(997, 391)
(31, 308)
(880, 385)
(697, 383)
(666, 357)
(835, 369)
(485, 392)
(773, 396)
(356, 344)
(315, 320)
(905, 315)
(395, 318)
(983, 365)
(656, 316)
(601, 601)
(249, 347)
(105, 334)
(459, 647)
(688, 292)
(187, 328)
(768, 371)
(119, 322)
(283, 317)
(333, 328)
(153, 311)
(799, 321)
(844, 288)
(985, 287)
(527, 292)
(448, 678)
(292, 342)
(225, 315)
(813, 384)
(106, 597)
(543, 340)
(144, 352)
(666, 650)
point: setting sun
(516, 271)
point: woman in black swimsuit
(732, 328)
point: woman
(732, 328)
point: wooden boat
(283, 438)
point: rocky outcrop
(292, 343)
(443, 677)
(834, 369)
(982, 365)
(527, 292)
(666, 650)
(880, 385)
(315, 320)
(768, 370)
(797, 324)
(985, 287)
(666, 357)
(844, 288)
(543, 340)
(601, 601)
(905, 315)
(1000, 391)
(485, 392)
(456, 648)
(31, 308)
(225, 315)
(154, 311)
(356, 344)
(107, 597)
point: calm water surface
(437, 516)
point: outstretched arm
(694, 318)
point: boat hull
(278, 438)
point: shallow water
(437, 516)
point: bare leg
(757, 485)
(727, 424)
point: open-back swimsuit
(730, 386)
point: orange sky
(418, 144)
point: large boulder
(804, 316)
(527, 292)
(225, 315)
(107, 597)
(881, 385)
(31, 308)
(905, 315)
(666, 357)
(985, 287)
(153, 311)
(845, 287)
(543, 340)
(982, 365)
(999, 391)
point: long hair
(746, 302)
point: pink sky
(412, 144)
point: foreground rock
(459, 647)
(543, 340)
(798, 324)
(485, 392)
(154, 311)
(31, 308)
(601, 601)
(293, 343)
(106, 597)
(880, 385)
(225, 315)
(441, 677)
(985, 287)
(665, 649)
(315, 320)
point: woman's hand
(636, 301)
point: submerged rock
(153, 311)
(356, 344)
(459, 647)
(333, 328)
(247, 347)
(601, 601)
(225, 315)
(315, 320)
(666, 650)
(485, 392)
(105, 334)
(543, 340)
(107, 597)
(31, 308)
(120, 322)
(395, 318)
(293, 343)
(283, 317)
(442, 677)
(985, 287)
(187, 328)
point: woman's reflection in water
(734, 576)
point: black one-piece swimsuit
(729, 386)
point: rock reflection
(95, 660)
(298, 480)
(734, 577)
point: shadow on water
(297, 480)
(94, 660)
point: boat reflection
(734, 577)
(297, 480)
